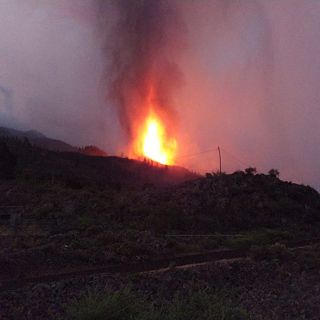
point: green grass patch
(119, 305)
(258, 238)
(125, 304)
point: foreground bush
(125, 304)
(120, 305)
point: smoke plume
(7, 99)
(143, 46)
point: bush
(199, 306)
(258, 238)
(125, 305)
(164, 217)
(120, 305)
(8, 162)
(250, 171)
(277, 252)
(274, 173)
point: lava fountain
(156, 145)
(145, 46)
(152, 139)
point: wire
(235, 157)
(214, 150)
(196, 154)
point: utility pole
(219, 158)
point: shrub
(274, 173)
(166, 216)
(125, 305)
(258, 238)
(8, 162)
(250, 171)
(120, 305)
(276, 252)
(199, 306)
(242, 242)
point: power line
(215, 150)
(235, 157)
(196, 154)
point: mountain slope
(42, 141)
(77, 169)
(38, 139)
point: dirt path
(161, 265)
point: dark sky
(251, 80)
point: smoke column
(144, 45)
(6, 107)
(7, 96)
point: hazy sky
(251, 74)
(51, 61)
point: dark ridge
(79, 169)
(40, 140)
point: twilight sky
(251, 80)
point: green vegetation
(80, 212)
(199, 306)
(276, 253)
(126, 305)
(260, 237)
(120, 305)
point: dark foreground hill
(66, 211)
(110, 209)
(77, 170)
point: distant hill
(30, 134)
(40, 140)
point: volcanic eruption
(143, 75)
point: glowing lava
(156, 145)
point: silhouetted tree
(8, 162)
(250, 171)
(27, 142)
(274, 173)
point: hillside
(65, 211)
(77, 170)
(133, 206)
(40, 140)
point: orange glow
(153, 133)
(155, 143)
